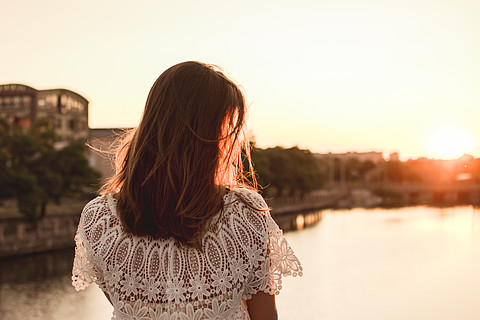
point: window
(17, 102)
(77, 105)
(41, 103)
(69, 103)
(26, 101)
(74, 105)
(52, 100)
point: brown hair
(172, 169)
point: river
(396, 264)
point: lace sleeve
(275, 257)
(281, 259)
(83, 273)
(87, 266)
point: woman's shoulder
(248, 210)
(99, 206)
(251, 198)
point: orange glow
(449, 143)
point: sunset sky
(331, 76)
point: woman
(174, 234)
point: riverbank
(317, 200)
(19, 236)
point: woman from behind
(175, 233)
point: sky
(326, 75)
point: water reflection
(289, 222)
(39, 287)
(36, 268)
(405, 263)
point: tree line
(287, 171)
(36, 172)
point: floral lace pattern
(244, 252)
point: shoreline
(20, 237)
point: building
(394, 156)
(67, 111)
(374, 156)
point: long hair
(172, 170)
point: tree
(290, 171)
(399, 172)
(35, 172)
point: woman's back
(243, 253)
(171, 244)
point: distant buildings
(394, 156)
(67, 114)
(67, 111)
(374, 156)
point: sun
(449, 142)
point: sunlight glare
(449, 142)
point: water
(408, 263)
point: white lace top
(244, 252)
